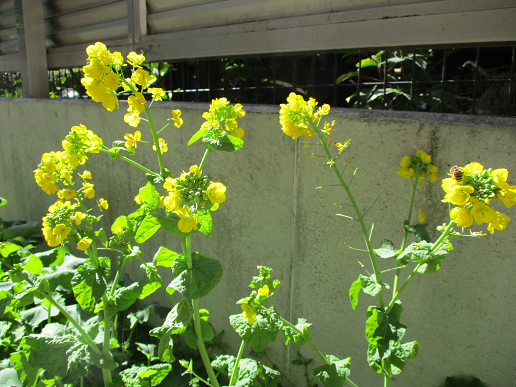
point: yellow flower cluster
(472, 190)
(100, 81)
(190, 192)
(56, 169)
(222, 118)
(298, 116)
(418, 165)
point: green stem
(155, 138)
(286, 322)
(208, 150)
(405, 233)
(386, 381)
(357, 210)
(234, 376)
(146, 170)
(186, 243)
(435, 246)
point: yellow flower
(500, 223)
(508, 196)
(86, 175)
(162, 146)
(132, 139)
(421, 217)
(461, 217)
(216, 193)
(264, 291)
(138, 199)
(473, 168)
(84, 243)
(119, 230)
(178, 121)
(172, 202)
(483, 213)
(88, 190)
(61, 231)
(66, 194)
(188, 220)
(195, 169)
(427, 159)
(459, 194)
(102, 203)
(135, 59)
(143, 78)
(170, 184)
(248, 314)
(78, 217)
(157, 93)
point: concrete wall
(463, 315)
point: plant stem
(313, 346)
(146, 170)
(187, 251)
(386, 381)
(208, 150)
(155, 138)
(405, 233)
(234, 376)
(355, 206)
(435, 246)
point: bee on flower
(473, 188)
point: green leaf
(62, 275)
(148, 284)
(7, 248)
(32, 264)
(149, 196)
(88, 286)
(335, 373)
(149, 350)
(418, 230)
(261, 333)
(206, 332)
(169, 224)
(345, 76)
(368, 62)
(164, 257)
(35, 316)
(53, 257)
(166, 347)
(9, 377)
(118, 146)
(180, 314)
(3, 202)
(25, 371)
(200, 280)
(353, 292)
(199, 134)
(149, 225)
(204, 217)
(145, 376)
(300, 339)
(386, 249)
(101, 236)
(25, 230)
(126, 296)
(225, 142)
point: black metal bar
(359, 77)
(511, 108)
(476, 81)
(384, 100)
(443, 78)
(274, 80)
(294, 74)
(335, 80)
(183, 80)
(412, 80)
(223, 61)
(197, 76)
(312, 75)
(256, 82)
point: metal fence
(467, 80)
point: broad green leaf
(53, 257)
(148, 284)
(204, 217)
(169, 224)
(300, 339)
(149, 350)
(374, 319)
(150, 196)
(206, 332)
(166, 347)
(164, 257)
(142, 316)
(7, 248)
(148, 227)
(199, 134)
(25, 371)
(101, 236)
(386, 249)
(225, 142)
(62, 275)
(121, 221)
(22, 230)
(145, 376)
(88, 286)
(335, 373)
(180, 314)
(198, 281)
(126, 296)
(368, 62)
(35, 316)
(9, 378)
(261, 333)
(418, 230)
(48, 352)
(353, 292)
(3, 202)
(32, 264)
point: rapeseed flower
(420, 165)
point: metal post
(136, 20)
(32, 48)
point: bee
(456, 173)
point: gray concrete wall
(463, 315)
